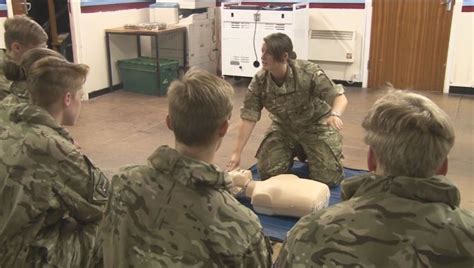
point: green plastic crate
(139, 75)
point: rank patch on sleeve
(100, 183)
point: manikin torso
(285, 194)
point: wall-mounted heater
(333, 46)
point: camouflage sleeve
(113, 225)
(4, 82)
(310, 241)
(78, 182)
(256, 254)
(123, 228)
(253, 106)
(286, 258)
(47, 198)
(56, 177)
(324, 88)
(4, 86)
(259, 254)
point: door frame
(457, 8)
(448, 77)
(10, 8)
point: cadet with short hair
(404, 214)
(305, 107)
(51, 196)
(21, 34)
(177, 210)
(17, 74)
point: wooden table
(138, 34)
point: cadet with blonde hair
(52, 196)
(21, 34)
(401, 123)
(177, 210)
(197, 106)
(406, 212)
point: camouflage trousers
(320, 146)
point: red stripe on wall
(337, 5)
(311, 5)
(262, 4)
(467, 9)
(3, 13)
(115, 7)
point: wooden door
(20, 7)
(409, 43)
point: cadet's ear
(168, 122)
(443, 169)
(223, 128)
(67, 99)
(285, 56)
(371, 161)
(16, 50)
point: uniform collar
(433, 189)
(33, 114)
(288, 86)
(186, 170)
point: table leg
(158, 64)
(139, 46)
(185, 51)
(109, 60)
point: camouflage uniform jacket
(4, 82)
(51, 197)
(18, 94)
(178, 212)
(386, 222)
(303, 99)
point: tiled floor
(122, 128)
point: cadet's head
(199, 108)
(56, 85)
(408, 135)
(22, 34)
(276, 48)
(18, 72)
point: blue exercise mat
(276, 227)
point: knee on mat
(329, 177)
(266, 170)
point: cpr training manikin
(285, 194)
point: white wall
(2, 32)
(91, 48)
(342, 19)
(90, 43)
(461, 71)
